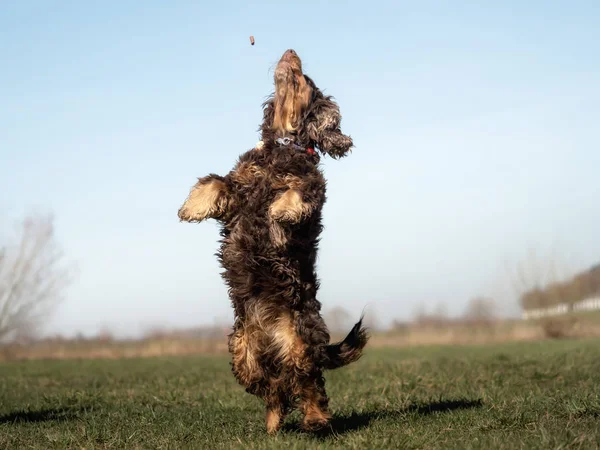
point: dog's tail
(345, 352)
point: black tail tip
(348, 350)
(358, 336)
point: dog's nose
(290, 52)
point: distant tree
(481, 310)
(33, 278)
(337, 319)
(440, 313)
(420, 315)
(438, 317)
(542, 285)
(594, 281)
(400, 325)
(536, 280)
(533, 299)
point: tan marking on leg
(284, 336)
(204, 201)
(298, 356)
(289, 207)
(287, 181)
(273, 420)
(277, 234)
(244, 347)
(288, 345)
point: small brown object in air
(252, 40)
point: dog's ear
(266, 127)
(335, 144)
(325, 130)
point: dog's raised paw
(289, 207)
(204, 201)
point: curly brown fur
(270, 208)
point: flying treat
(252, 40)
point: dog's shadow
(338, 425)
(43, 415)
(341, 424)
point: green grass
(534, 395)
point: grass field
(520, 395)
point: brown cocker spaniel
(270, 206)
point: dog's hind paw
(274, 420)
(314, 424)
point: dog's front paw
(289, 207)
(206, 200)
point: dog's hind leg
(310, 382)
(277, 407)
(314, 403)
(274, 418)
(244, 351)
(208, 198)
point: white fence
(589, 304)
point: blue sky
(475, 125)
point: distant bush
(560, 327)
(571, 291)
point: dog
(270, 210)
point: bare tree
(438, 317)
(440, 313)
(420, 314)
(542, 283)
(33, 277)
(532, 277)
(337, 319)
(481, 310)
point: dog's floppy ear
(266, 127)
(325, 129)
